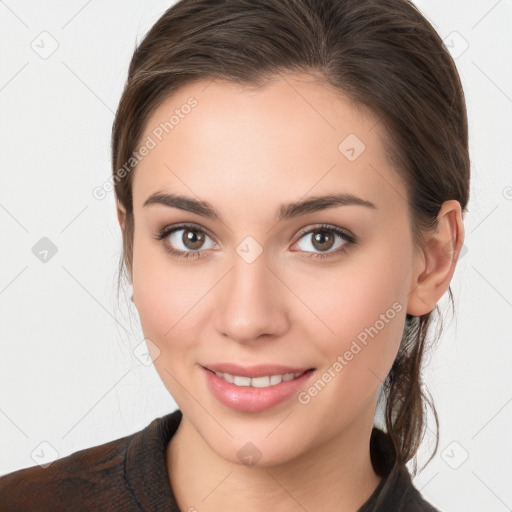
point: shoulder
(416, 502)
(66, 481)
(405, 496)
(396, 492)
(124, 475)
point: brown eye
(185, 241)
(323, 240)
(193, 239)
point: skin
(246, 152)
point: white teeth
(229, 378)
(258, 382)
(242, 381)
(276, 379)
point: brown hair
(384, 55)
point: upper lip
(259, 370)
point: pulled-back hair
(382, 54)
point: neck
(336, 475)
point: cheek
(152, 292)
(364, 309)
(359, 308)
(167, 298)
(163, 293)
(173, 300)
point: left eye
(324, 239)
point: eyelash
(165, 232)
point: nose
(251, 303)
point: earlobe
(437, 266)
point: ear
(121, 214)
(121, 217)
(436, 264)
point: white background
(68, 373)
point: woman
(291, 178)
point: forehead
(293, 135)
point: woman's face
(269, 287)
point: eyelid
(167, 230)
(344, 233)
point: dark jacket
(130, 474)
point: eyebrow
(286, 211)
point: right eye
(185, 241)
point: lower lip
(249, 399)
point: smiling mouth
(264, 381)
